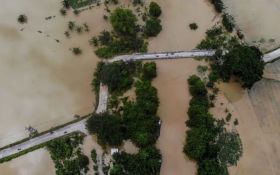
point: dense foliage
(154, 10)
(146, 162)
(207, 142)
(123, 22)
(242, 61)
(153, 27)
(118, 75)
(228, 22)
(107, 127)
(218, 4)
(233, 58)
(67, 155)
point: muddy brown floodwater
(258, 20)
(42, 83)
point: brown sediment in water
(42, 83)
(257, 19)
(260, 143)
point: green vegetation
(153, 27)
(127, 36)
(67, 155)
(77, 51)
(107, 127)
(22, 19)
(207, 141)
(154, 10)
(193, 26)
(129, 120)
(75, 4)
(218, 4)
(228, 22)
(146, 162)
(118, 76)
(233, 58)
(124, 22)
(149, 71)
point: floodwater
(258, 20)
(42, 83)
(172, 75)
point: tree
(218, 4)
(228, 22)
(154, 10)
(230, 147)
(149, 71)
(105, 38)
(197, 87)
(244, 62)
(22, 19)
(77, 51)
(65, 4)
(153, 27)
(123, 22)
(107, 127)
(193, 26)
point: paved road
(164, 55)
(271, 55)
(79, 126)
(103, 95)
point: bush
(154, 10)
(123, 22)
(22, 19)
(153, 27)
(228, 22)
(218, 4)
(193, 26)
(105, 38)
(108, 129)
(77, 51)
(149, 71)
(118, 76)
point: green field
(75, 4)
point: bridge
(103, 97)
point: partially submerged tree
(154, 10)
(22, 19)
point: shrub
(193, 26)
(154, 10)
(149, 71)
(123, 22)
(77, 51)
(22, 19)
(153, 27)
(228, 22)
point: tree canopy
(153, 27)
(124, 21)
(154, 10)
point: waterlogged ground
(42, 83)
(258, 19)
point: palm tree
(66, 4)
(22, 19)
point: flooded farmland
(258, 19)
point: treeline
(207, 141)
(233, 58)
(67, 156)
(129, 120)
(127, 36)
